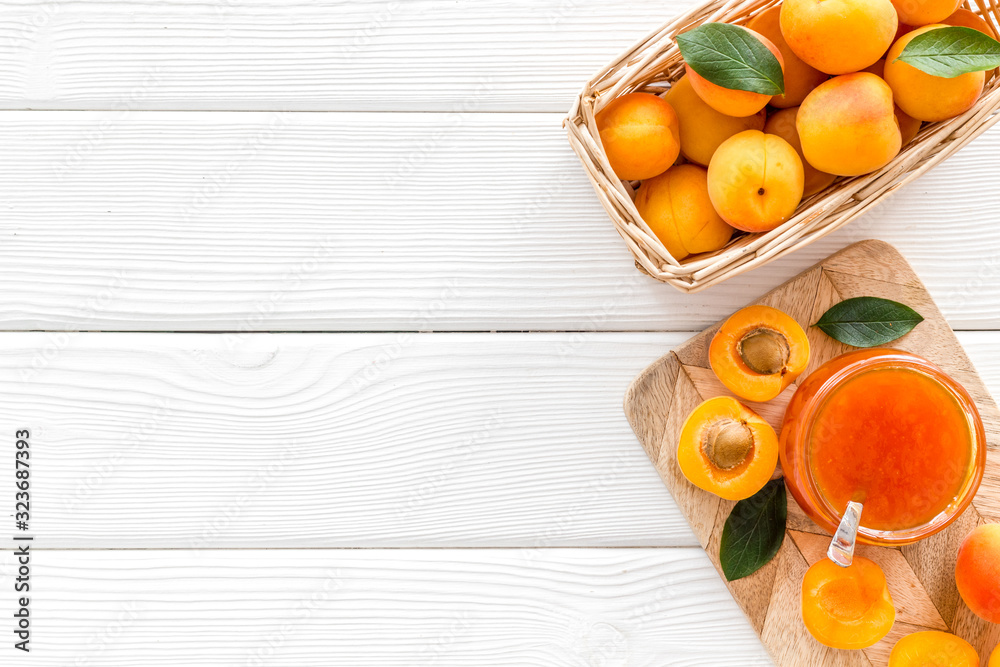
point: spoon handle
(841, 549)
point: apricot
(922, 12)
(800, 78)
(755, 181)
(727, 449)
(838, 36)
(977, 572)
(964, 18)
(848, 125)
(676, 206)
(908, 126)
(933, 648)
(758, 352)
(641, 135)
(925, 96)
(995, 658)
(847, 608)
(739, 103)
(782, 124)
(703, 129)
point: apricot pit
(727, 449)
(758, 352)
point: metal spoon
(841, 549)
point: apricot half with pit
(847, 608)
(758, 352)
(933, 649)
(727, 449)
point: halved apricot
(758, 352)
(933, 649)
(727, 449)
(848, 608)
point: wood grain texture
(308, 440)
(308, 55)
(769, 597)
(390, 608)
(355, 222)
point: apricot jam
(890, 430)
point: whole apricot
(995, 658)
(838, 36)
(703, 129)
(933, 648)
(847, 608)
(925, 96)
(641, 135)
(848, 125)
(782, 124)
(756, 181)
(727, 449)
(977, 572)
(922, 12)
(800, 77)
(758, 352)
(739, 103)
(963, 18)
(676, 206)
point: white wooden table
(356, 335)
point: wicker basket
(655, 62)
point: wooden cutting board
(921, 576)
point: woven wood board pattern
(921, 576)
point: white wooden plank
(247, 221)
(406, 608)
(299, 440)
(354, 55)
(204, 441)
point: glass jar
(880, 419)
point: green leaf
(732, 57)
(754, 531)
(950, 52)
(868, 321)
